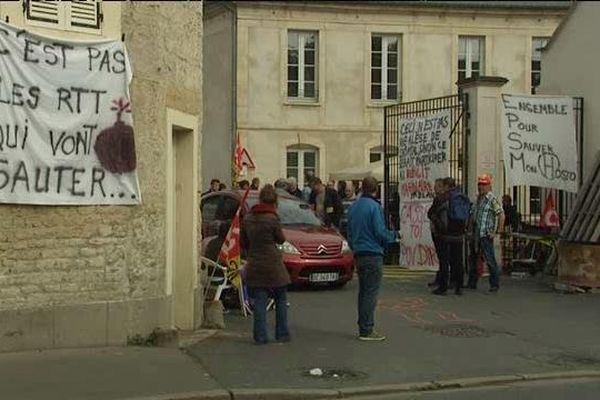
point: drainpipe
(233, 9)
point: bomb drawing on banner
(115, 146)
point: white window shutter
(46, 11)
(84, 14)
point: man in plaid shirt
(488, 220)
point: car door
(227, 209)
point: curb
(284, 394)
(322, 394)
(217, 394)
(464, 383)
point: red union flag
(231, 252)
(550, 217)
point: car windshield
(293, 212)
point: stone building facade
(307, 81)
(95, 275)
(569, 69)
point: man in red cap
(488, 221)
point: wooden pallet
(583, 224)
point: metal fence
(528, 201)
(457, 104)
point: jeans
(260, 296)
(370, 274)
(486, 247)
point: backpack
(459, 207)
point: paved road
(524, 328)
(581, 389)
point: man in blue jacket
(368, 237)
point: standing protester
(293, 188)
(356, 186)
(368, 237)
(350, 193)
(255, 184)
(326, 203)
(488, 220)
(265, 273)
(341, 189)
(438, 217)
(244, 185)
(346, 204)
(281, 184)
(214, 186)
(459, 212)
(308, 189)
(512, 218)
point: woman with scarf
(266, 275)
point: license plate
(324, 277)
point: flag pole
(241, 288)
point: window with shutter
(45, 11)
(84, 14)
(75, 15)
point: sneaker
(494, 289)
(439, 292)
(372, 337)
(284, 339)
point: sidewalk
(477, 339)
(102, 374)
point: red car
(312, 253)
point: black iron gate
(457, 104)
(528, 201)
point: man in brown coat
(265, 273)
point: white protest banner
(66, 134)
(423, 158)
(539, 141)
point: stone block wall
(73, 276)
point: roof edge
(561, 25)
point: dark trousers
(456, 260)
(260, 296)
(485, 247)
(441, 250)
(370, 274)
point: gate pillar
(484, 145)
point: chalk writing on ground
(418, 311)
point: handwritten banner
(66, 131)
(424, 149)
(539, 141)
